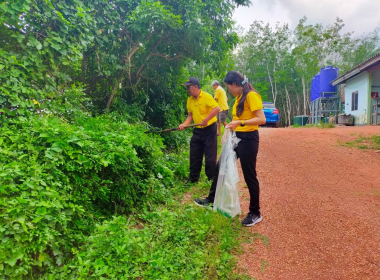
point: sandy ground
(320, 203)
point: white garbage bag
(227, 197)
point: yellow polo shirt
(252, 103)
(221, 95)
(201, 107)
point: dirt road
(320, 203)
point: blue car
(271, 114)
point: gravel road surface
(320, 203)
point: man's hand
(204, 122)
(181, 127)
(212, 114)
(188, 121)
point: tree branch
(165, 56)
(149, 55)
(110, 99)
(97, 57)
(136, 47)
(83, 67)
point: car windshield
(268, 105)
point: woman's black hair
(236, 77)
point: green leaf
(22, 200)
(15, 257)
(41, 211)
(55, 147)
(37, 219)
(2, 190)
(81, 159)
(44, 135)
(99, 263)
(14, 102)
(38, 45)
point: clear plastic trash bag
(227, 197)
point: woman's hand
(233, 125)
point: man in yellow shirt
(202, 108)
(221, 97)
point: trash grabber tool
(171, 129)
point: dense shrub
(172, 244)
(57, 179)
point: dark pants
(246, 150)
(203, 142)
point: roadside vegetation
(95, 198)
(84, 192)
(362, 142)
(317, 125)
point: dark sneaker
(251, 220)
(189, 183)
(203, 202)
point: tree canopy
(125, 55)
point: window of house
(354, 103)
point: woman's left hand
(233, 125)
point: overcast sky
(361, 16)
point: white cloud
(359, 16)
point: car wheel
(276, 124)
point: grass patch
(177, 242)
(171, 241)
(222, 244)
(372, 142)
(220, 140)
(201, 188)
(264, 264)
(317, 125)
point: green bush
(186, 243)
(57, 179)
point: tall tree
(124, 52)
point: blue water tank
(315, 91)
(328, 74)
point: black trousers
(203, 142)
(246, 150)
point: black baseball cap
(192, 81)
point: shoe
(251, 220)
(189, 183)
(203, 202)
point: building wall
(376, 77)
(375, 87)
(360, 83)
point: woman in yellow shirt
(247, 114)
